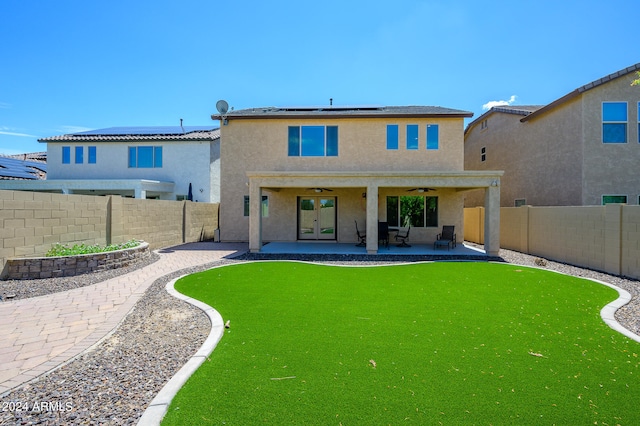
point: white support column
(372, 219)
(255, 217)
(492, 219)
(139, 192)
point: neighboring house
(310, 173)
(581, 149)
(140, 162)
(23, 167)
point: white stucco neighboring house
(141, 162)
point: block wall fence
(31, 222)
(604, 238)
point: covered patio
(300, 247)
(371, 185)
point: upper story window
(483, 154)
(92, 155)
(66, 155)
(412, 136)
(313, 141)
(79, 154)
(392, 136)
(143, 157)
(433, 136)
(614, 122)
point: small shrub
(63, 250)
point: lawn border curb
(607, 313)
(158, 407)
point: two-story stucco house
(141, 162)
(311, 173)
(581, 149)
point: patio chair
(362, 238)
(404, 237)
(383, 233)
(446, 238)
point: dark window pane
(313, 141)
(79, 154)
(66, 154)
(157, 156)
(614, 199)
(92, 155)
(614, 133)
(145, 157)
(431, 208)
(392, 211)
(432, 136)
(614, 111)
(294, 141)
(392, 136)
(412, 211)
(332, 141)
(133, 162)
(412, 136)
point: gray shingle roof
(130, 134)
(352, 111)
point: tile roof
(351, 111)
(12, 168)
(126, 134)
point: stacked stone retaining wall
(66, 266)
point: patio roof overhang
(139, 188)
(465, 180)
(372, 181)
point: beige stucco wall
(250, 145)
(558, 158)
(32, 222)
(541, 159)
(610, 169)
(280, 225)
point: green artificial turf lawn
(456, 343)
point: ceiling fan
(320, 189)
(421, 189)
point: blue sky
(70, 65)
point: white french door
(317, 218)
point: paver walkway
(41, 333)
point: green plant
(451, 343)
(64, 250)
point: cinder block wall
(199, 222)
(630, 241)
(31, 222)
(604, 238)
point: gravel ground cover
(115, 381)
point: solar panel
(332, 108)
(146, 130)
(12, 167)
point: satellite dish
(222, 106)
